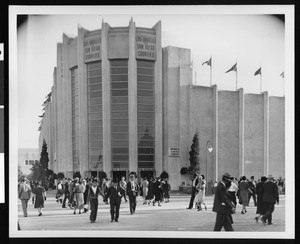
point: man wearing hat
(24, 194)
(270, 196)
(115, 195)
(131, 191)
(194, 189)
(92, 198)
(222, 205)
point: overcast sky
(251, 40)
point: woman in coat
(78, 196)
(201, 192)
(244, 193)
(39, 195)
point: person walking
(201, 193)
(66, 192)
(39, 196)
(132, 190)
(24, 195)
(243, 193)
(145, 185)
(194, 184)
(166, 190)
(87, 183)
(157, 188)
(261, 208)
(59, 191)
(150, 194)
(115, 195)
(270, 196)
(78, 196)
(123, 185)
(222, 205)
(232, 191)
(252, 192)
(92, 199)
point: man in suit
(194, 189)
(24, 195)
(115, 195)
(222, 205)
(270, 196)
(92, 198)
(252, 188)
(66, 192)
(131, 191)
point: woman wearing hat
(244, 193)
(261, 208)
(39, 196)
(78, 196)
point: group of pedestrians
(36, 191)
(225, 199)
(198, 192)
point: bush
(60, 175)
(77, 174)
(184, 171)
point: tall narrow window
(75, 119)
(119, 113)
(146, 113)
(94, 77)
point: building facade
(26, 158)
(121, 103)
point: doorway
(147, 173)
(119, 174)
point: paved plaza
(172, 216)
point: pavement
(171, 216)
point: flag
(208, 62)
(282, 74)
(258, 72)
(233, 68)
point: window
(75, 115)
(95, 128)
(119, 113)
(146, 113)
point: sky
(251, 40)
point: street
(172, 216)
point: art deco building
(121, 103)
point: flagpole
(210, 71)
(236, 77)
(260, 82)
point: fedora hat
(227, 177)
(270, 177)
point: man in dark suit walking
(115, 195)
(131, 191)
(270, 196)
(92, 198)
(222, 205)
(194, 184)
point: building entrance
(119, 175)
(147, 173)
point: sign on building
(92, 49)
(145, 47)
(174, 152)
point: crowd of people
(81, 195)
(265, 194)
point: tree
(60, 175)
(194, 156)
(164, 175)
(39, 170)
(77, 174)
(20, 174)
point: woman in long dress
(243, 193)
(39, 195)
(79, 197)
(201, 193)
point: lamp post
(209, 148)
